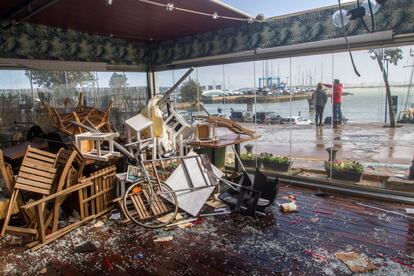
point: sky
(272, 8)
(233, 76)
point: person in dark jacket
(319, 98)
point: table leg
(213, 156)
(236, 162)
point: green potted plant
(248, 159)
(345, 170)
(275, 162)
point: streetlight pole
(386, 98)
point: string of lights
(172, 7)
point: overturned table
(222, 143)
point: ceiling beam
(21, 8)
(39, 9)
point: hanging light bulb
(250, 20)
(215, 15)
(374, 5)
(337, 20)
(169, 6)
(109, 2)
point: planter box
(276, 166)
(249, 163)
(349, 176)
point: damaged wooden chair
(36, 175)
(94, 194)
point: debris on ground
(99, 223)
(288, 207)
(139, 256)
(357, 263)
(321, 194)
(115, 216)
(87, 247)
(315, 255)
(314, 219)
(215, 204)
(164, 239)
(401, 262)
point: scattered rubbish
(321, 194)
(314, 219)
(115, 216)
(99, 223)
(198, 221)
(288, 207)
(183, 222)
(379, 254)
(215, 214)
(401, 262)
(291, 197)
(315, 255)
(185, 225)
(215, 204)
(357, 263)
(139, 256)
(87, 247)
(164, 239)
(409, 210)
(323, 212)
(224, 209)
(384, 210)
(296, 221)
(167, 217)
(108, 263)
(43, 270)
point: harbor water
(365, 105)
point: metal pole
(386, 98)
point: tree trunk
(388, 91)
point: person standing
(337, 101)
(319, 99)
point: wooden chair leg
(40, 222)
(9, 211)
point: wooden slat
(37, 162)
(21, 230)
(37, 172)
(42, 152)
(40, 222)
(30, 182)
(86, 205)
(40, 157)
(36, 177)
(32, 189)
(161, 205)
(139, 206)
(39, 167)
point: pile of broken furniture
(88, 178)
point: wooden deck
(235, 245)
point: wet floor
(372, 144)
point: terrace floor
(382, 150)
(300, 243)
